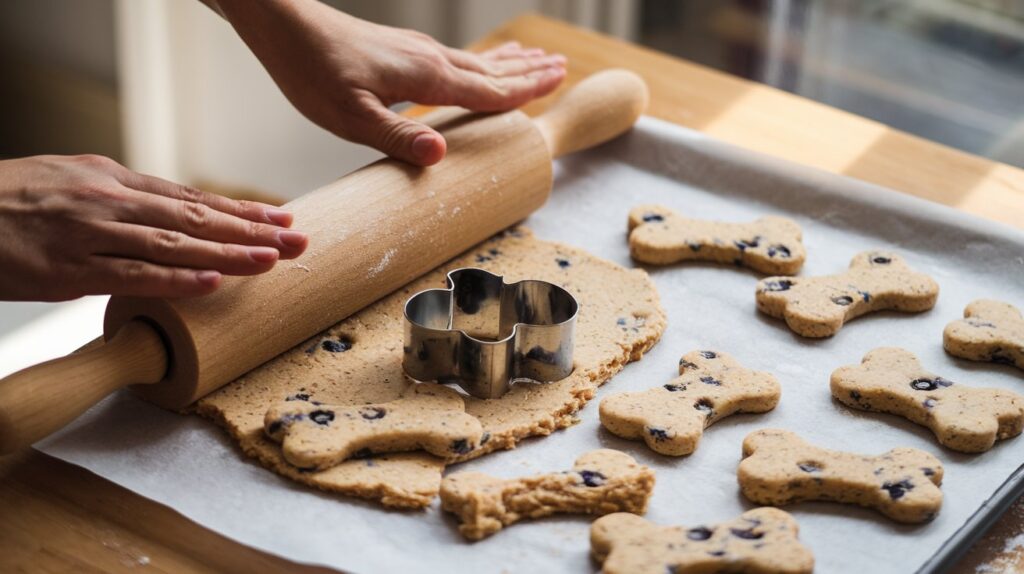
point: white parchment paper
(189, 464)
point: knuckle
(164, 242)
(132, 272)
(253, 230)
(95, 160)
(194, 215)
(244, 206)
(190, 194)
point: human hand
(82, 225)
(343, 73)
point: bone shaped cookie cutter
(761, 540)
(484, 334)
(600, 482)
(892, 380)
(780, 468)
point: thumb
(398, 136)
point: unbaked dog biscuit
(779, 468)
(600, 482)
(818, 306)
(892, 380)
(671, 418)
(990, 331)
(759, 541)
(659, 235)
(427, 417)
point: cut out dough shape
(428, 417)
(779, 468)
(819, 306)
(359, 361)
(990, 331)
(892, 380)
(660, 236)
(671, 418)
(759, 541)
(600, 482)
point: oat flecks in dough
(990, 331)
(620, 319)
(780, 468)
(892, 380)
(671, 418)
(428, 416)
(759, 541)
(819, 306)
(660, 236)
(600, 482)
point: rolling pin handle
(597, 109)
(39, 400)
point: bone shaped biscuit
(892, 380)
(659, 235)
(818, 306)
(990, 331)
(779, 468)
(759, 541)
(671, 418)
(428, 416)
(601, 481)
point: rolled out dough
(620, 319)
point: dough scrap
(358, 361)
(671, 418)
(759, 541)
(819, 306)
(660, 236)
(600, 482)
(966, 419)
(990, 331)
(780, 468)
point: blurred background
(166, 87)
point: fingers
(201, 221)
(176, 249)
(504, 77)
(249, 210)
(511, 50)
(525, 65)
(505, 63)
(132, 277)
(398, 136)
(480, 92)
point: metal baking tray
(160, 454)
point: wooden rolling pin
(371, 232)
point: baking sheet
(189, 464)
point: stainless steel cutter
(484, 334)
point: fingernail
(263, 254)
(291, 238)
(208, 278)
(279, 216)
(423, 146)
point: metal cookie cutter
(484, 334)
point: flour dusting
(383, 263)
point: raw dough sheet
(190, 465)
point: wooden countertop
(58, 517)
